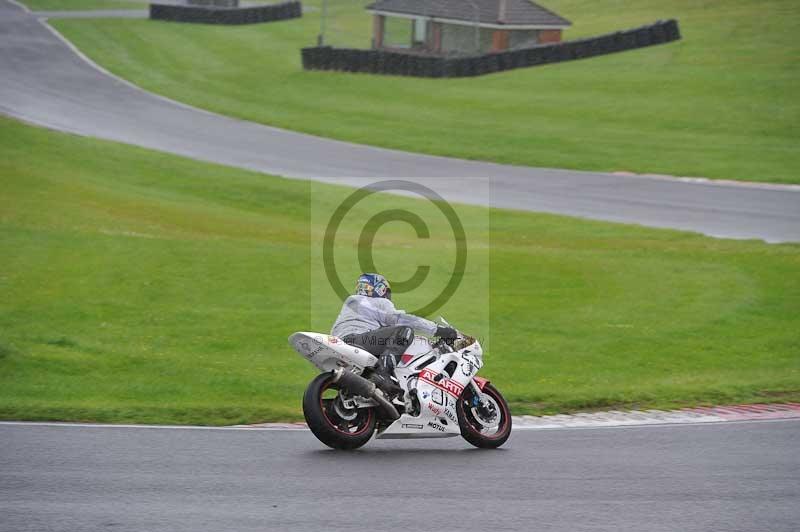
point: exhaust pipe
(358, 385)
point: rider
(370, 320)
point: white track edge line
(304, 429)
(20, 5)
(659, 425)
(44, 22)
(133, 426)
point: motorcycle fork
(478, 397)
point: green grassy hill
(137, 286)
(722, 103)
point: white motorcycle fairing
(437, 380)
(330, 352)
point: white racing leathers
(361, 314)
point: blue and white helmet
(373, 285)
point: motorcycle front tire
(470, 429)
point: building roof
(489, 12)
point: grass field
(69, 5)
(722, 103)
(141, 287)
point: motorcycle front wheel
(486, 425)
(331, 422)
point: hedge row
(429, 66)
(226, 15)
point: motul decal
(449, 386)
(436, 426)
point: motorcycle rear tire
(323, 423)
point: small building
(462, 26)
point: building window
(397, 33)
(420, 31)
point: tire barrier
(216, 3)
(215, 14)
(437, 66)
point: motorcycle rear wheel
(330, 422)
(475, 427)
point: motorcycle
(442, 394)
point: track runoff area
(587, 420)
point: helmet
(373, 285)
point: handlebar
(459, 343)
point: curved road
(732, 477)
(44, 81)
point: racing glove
(448, 334)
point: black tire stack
(216, 14)
(437, 66)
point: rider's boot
(382, 375)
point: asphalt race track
(43, 81)
(727, 477)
